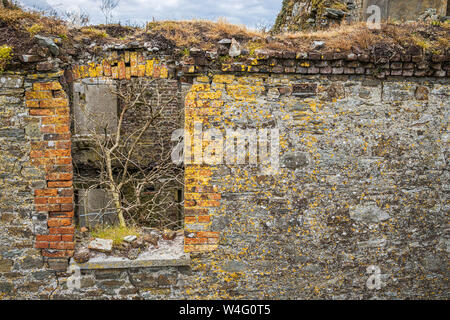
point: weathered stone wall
(23, 270)
(362, 181)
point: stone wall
(362, 182)
(24, 272)
(362, 179)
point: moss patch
(5, 56)
(115, 233)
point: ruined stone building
(297, 15)
(362, 182)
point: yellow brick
(200, 87)
(134, 64)
(46, 86)
(149, 68)
(92, 72)
(213, 95)
(203, 79)
(164, 72)
(223, 78)
(141, 70)
(115, 72)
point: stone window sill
(167, 254)
(141, 262)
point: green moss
(115, 233)
(5, 56)
(34, 29)
(253, 46)
(93, 32)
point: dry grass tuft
(200, 33)
(94, 32)
(32, 22)
(346, 36)
(115, 233)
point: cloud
(248, 12)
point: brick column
(200, 196)
(48, 103)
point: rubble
(101, 245)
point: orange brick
(195, 240)
(46, 86)
(48, 129)
(48, 237)
(59, 176)
(200, 248)
(39, 145)
(63, 145)
(41, 245)
(62, 230)
(156, 71)
(32, 103)
(195, 212)
(46, 208)
(67, 238)
(62, 129)
(42, 112)
(46, 192)
(56, 120)
(57, 254)
(115, 72)
(214, 196)
(190, 219)
(204, 218)
(57, 154)
(62, 245)
(38, 95)
(208, 203)
(63, 160)
(63, 111)
(67, 207)
(59, 222)
(190, 203)
(141, 71)
(36, 154)
(59, 94)
(207, 234)
(106, 68)
(60, 184)
(60, 200)
(54, 103)
(66, 193)
(121, 70)
(41, 200)
(205, 173)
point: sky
(252, 13)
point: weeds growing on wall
(5, 56)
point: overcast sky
(248, 12)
